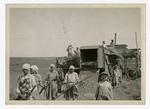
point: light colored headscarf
(52, 65)
(34, 68)
(26, 66)
(72, 67)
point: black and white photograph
(75, 53)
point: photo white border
(87, 102)
(2, 57)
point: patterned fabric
(104, 91)
(25, 85)
(37, 78)
(71, 78)
(39, 86)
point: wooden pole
(115, 38)
(137, 56)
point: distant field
(129, 90)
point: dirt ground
(128, 90)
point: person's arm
(18, 89)
(77, 78)
(98, 71)
(65, 80)
(62, 75)
(33, 83)
(40, 80)
(57, 76)
(46, 78)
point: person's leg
(72, 97)
(67, 95)
(54, 91)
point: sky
(46, 32)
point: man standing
(71, 78)
(26, 85)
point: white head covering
(26, 66)
(34, 67)
(52, 65)
(72, 67)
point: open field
(128, 90)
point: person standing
(116, 76)
(104, 89)
(52, 79)
(34, 70)
(71, 78)
(60, 78)
(26, 85)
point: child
(104, 88)
(116, 76)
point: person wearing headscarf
(34, 70)
(26, 85)
(116, 76)
(104, 88)
(52, 78)
(71, 78)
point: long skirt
(51, 92)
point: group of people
(31, 87)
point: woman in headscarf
(71, 78)
(34, 70)
(26, 85)
(52, 78)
